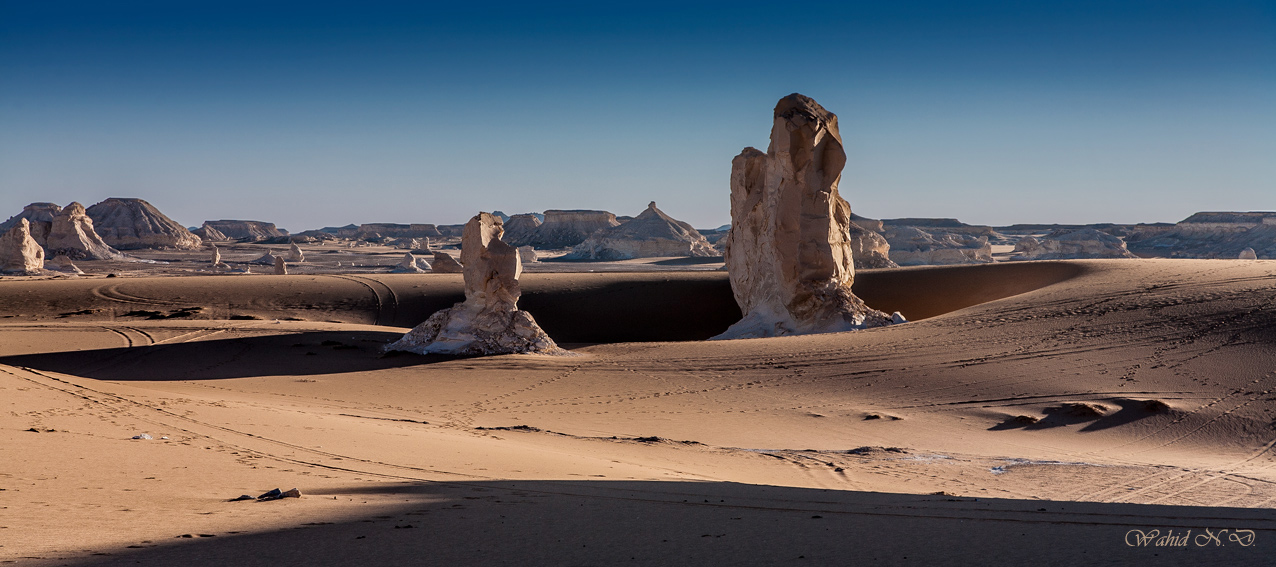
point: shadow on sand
(708, 523)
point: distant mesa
(1209, 235)
(73, 236)
(130, 224)
(246, 230)
(391, 230)
(649, 235)
(489, 320)
(521, 228)
(788, 253)
(210, 234)
(565, 229)
(19, 252)
(1071, 244)
(912, 246)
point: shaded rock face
(129, 224)
(444, 263)
(210, 234)
(63, 264)
(72, 235)
(246, 229)
(651, 234)
(19, 252)
(520, 229)
(912, 246)
(40, 216)
(488, 321)
(411, 265)
(281, 266)
(788, 252)
(1248, 254)
(869, 249)
(1071, 244)
(565, 229)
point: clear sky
(326, 113)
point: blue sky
(328, 113)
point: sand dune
(1054, 405)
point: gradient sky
(327, 113)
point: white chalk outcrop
(411, 265)
(527, 254)
(19, 252)
(788, 254)
(444, 263)
(1248, 254)
(1209, 235)
(72, 234)
(912, 246)
(267, 259)
(651, 234)
(281, 266)
(63, 264)
(1071, 244)
(869, 249)
(295, 254)
(39, 215)
(129, 224)
(488, 321)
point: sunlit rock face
(652, 234)
(39, 215)
(789, 253)
(411, 265)
(72, 235)
(868, 248)
(129, 224)
(19, 252)
(489, 320)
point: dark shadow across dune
(710, 524)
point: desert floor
(1029, 413)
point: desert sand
(1029, 413)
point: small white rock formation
(1248, 254)
(295, 254)
(19, 253)
(565, 229)
(651, 234)
(72, 235)
(216, 261)
(281, 266)
(527, 254)
(444, 263)
(63, 264)
(1071, 244)
(912, 246)
(267, 259)
(411, 265)
(129, 224)
(869, 249)
(488, 321)
(40, 215)
(788, 254)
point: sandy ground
(1044, 413)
